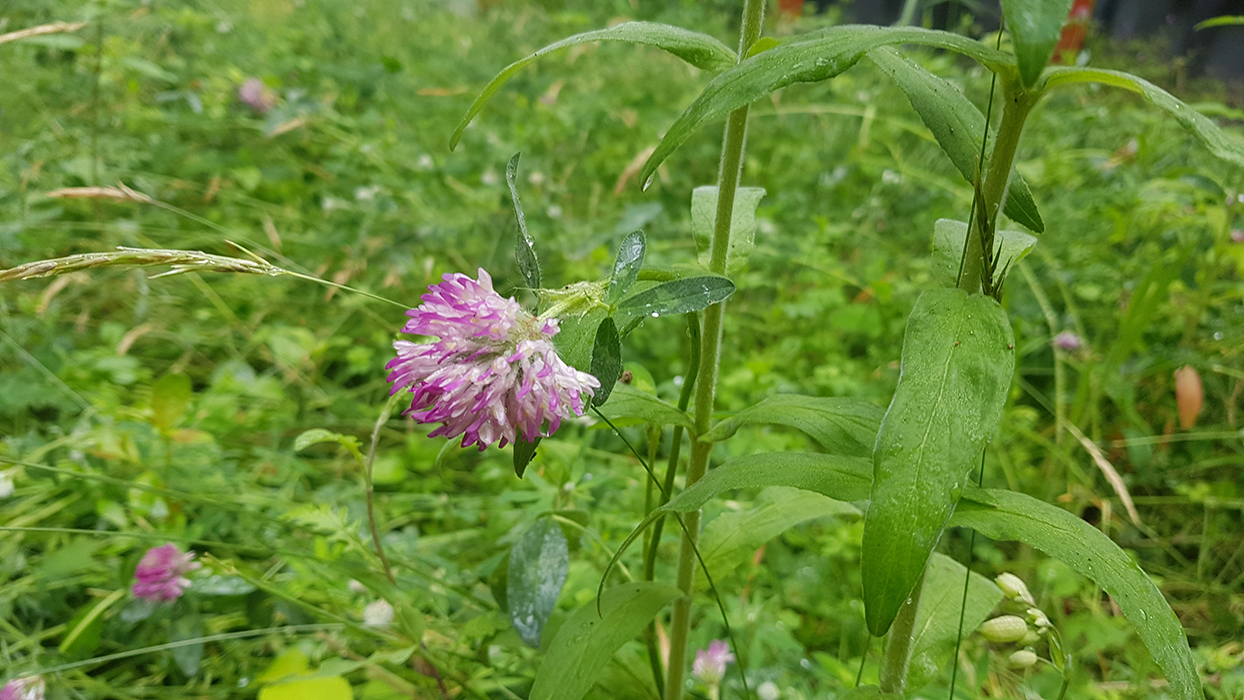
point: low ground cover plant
(806, 393)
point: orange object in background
(1074, 32)
(1189, 396)
(790, 8)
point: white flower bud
(1024, 658)
(378, 614)
(1030, 638)
(1037, 617)
(1006, 628)
(1014, 588)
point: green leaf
(731, 538)
(842, 425)
(588, 640)
(169, 398)
(675, 297)
(539, 562)
(839, 477)
(937, 621)
(958, 358)
(1006, 515)
(1224, 21)
(742, 225)
(948, 239)
(289, 662)
(315, 436)
(222, 584)
(818, 56)
(957, 125)
(700, 50)
(577, 337)
(86, 626)
(626, 265)
(524, 452)
(1227, 146)
(524, 247)
(327, 688)
(626, 401)
(606, 360)
(1035, 27)
(185, 627)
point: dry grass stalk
(180, 260)
(120, 192)
(53, 28)
(1112, 475)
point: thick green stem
(710, 355)
(1016, 105)
(899, 643)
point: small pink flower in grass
(1068, 341)
(492, 374)
(254, 94)
(160, 576)
(709, 666)
(28, 688)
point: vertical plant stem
(710, 355)
(368, 463)
(1016, 105)
(897, 658)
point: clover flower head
(492, 374)
(28, 688)
(709, 666)
(254, 94)
(1068, 341)
(160, 576)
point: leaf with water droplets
(1006, 515)
(948, 239)
(674, 297)
(957, 363)
(1035, 27)
(524, 247)
(626, 265)
(539, 563)
(588, 640)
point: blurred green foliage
(347, 176)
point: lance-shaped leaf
(700, 50)
(626, 265)
(937, 621)
(524, 452)
(524, 247)
(843, 426)
(588, 640)
(958, 358)
(674, 297)
(819, 56)
(628, 402)
(1035, 27)
(539, 562)
(1227, 146)
(948, 239)
(839, 477)
(1006, 515)
(606, 360)
(742, 226)
(957, 125)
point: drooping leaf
(1035, 27)
(606, 360)
(626, 265)
(524, 452)
(675, 297)
(700, 50)
(1006, 515)
(958, 358)
(839, 477)
(628, 402)
(539, 562)
(842, 425)
(315, 436)
(742, 225)
(731, 538)
(948, 238)
(818, 56)
(1227, 146)
(524, 247)
(957, 125)
(1224, 21)
(937, 621)
(588, 640)
(169, 398)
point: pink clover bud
(709, 666)
(160, 576)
